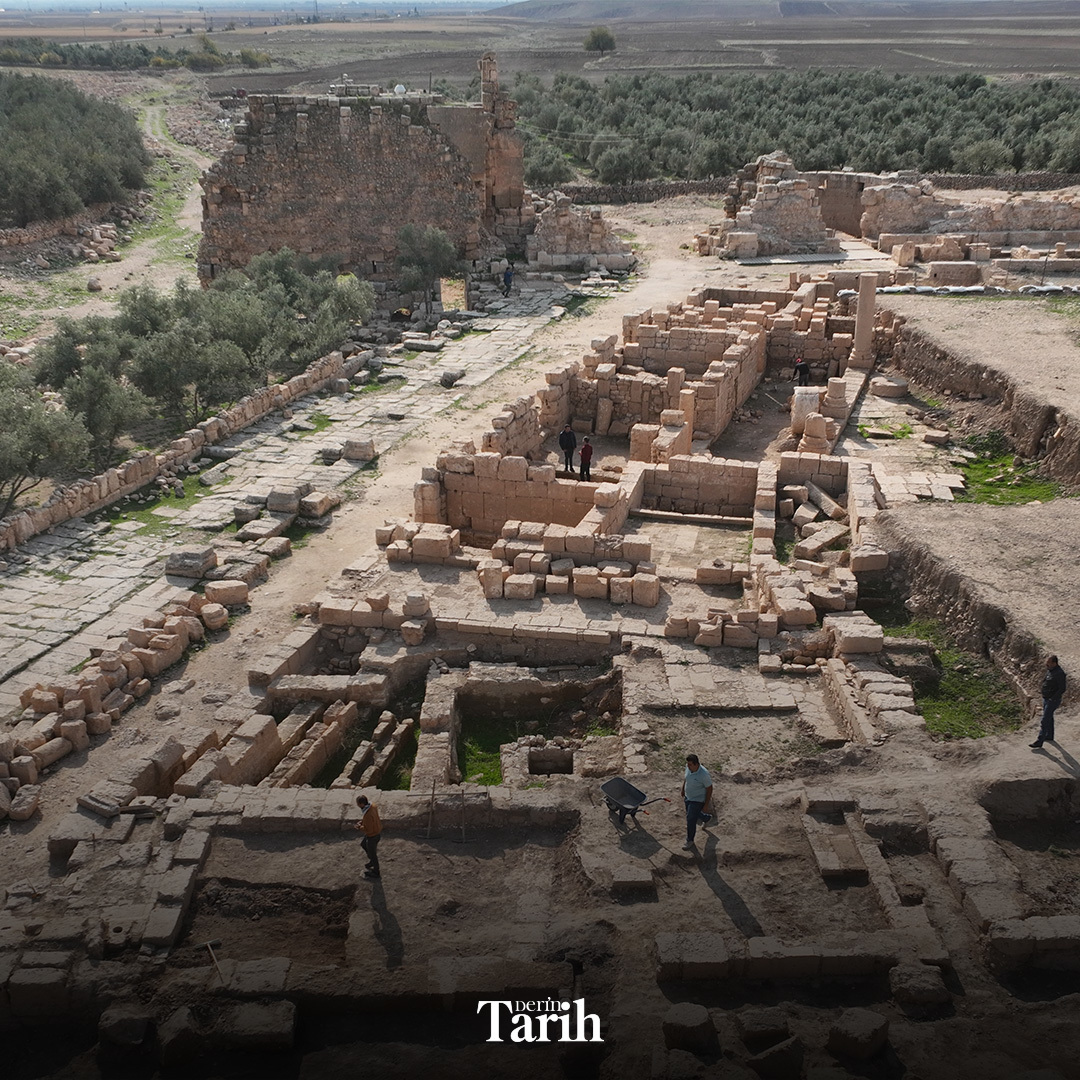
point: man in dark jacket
(567, 443)
(1053, 687)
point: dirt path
(148, 262)
(669, 272)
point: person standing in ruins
(371, 826)
(568, 442)
(1053, 688)
(802, 371)
(697, 793)
(585, 457)
(508, 279)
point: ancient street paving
(82, 583)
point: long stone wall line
(942, 591)
(87, 495)
(37, 231)
(1037, 428)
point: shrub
(60, 149)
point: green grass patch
(374, 387)
(478, 746)
(599, 729)
(580, 306)
(898, 431)
(319, 422)
(784, 543)
(154, 524)
(298, 535)
(973, 698)
(994, 478)
(399, 776)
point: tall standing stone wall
(335, 176)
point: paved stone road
(83, 583)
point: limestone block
(514, 468)
(806, 400)
(98, 723)
(805, 514)
(858, 1033)
(318, 503)
(359, 450)
(709, 636)
(24, 804)
(191, 562)
(794, 613)
(214, 616)
(124, 1024)
(869, 557)
(888, 386)
(918, 984)
(431, 547)
(740, 636)
(413, 631)
(520, 587)
(229, 593)
(646, 590)
(688, 1026)
(606, 495)
(43, 701)
(621, 590)
(75, 733)
(632, 881)
(855, 635)
(283, 501)
(556, 585)
(588, 582)
(259, 1026)
(38, 992)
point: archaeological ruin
(394, 587)
(338, 175)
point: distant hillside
(593, 12)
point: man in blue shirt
(697, 794)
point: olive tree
(38, 441)
(425, 254)
(601, 40)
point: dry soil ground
(746, 872)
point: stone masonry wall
(335, 176)
(86, 496)
(567, 238)
(696, 485)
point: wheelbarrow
(623, 798)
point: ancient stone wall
(334, 176)
(567, 238)
(86, 496)
(770, 210)
(914, 210)
(700, 485)
(340, 176)
(14, 239)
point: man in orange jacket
(371, 826)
